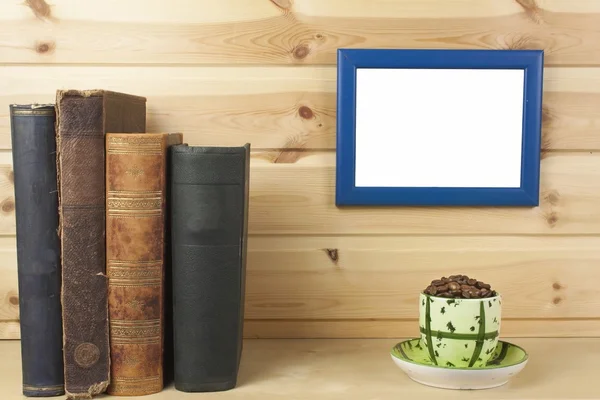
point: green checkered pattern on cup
(459, 332)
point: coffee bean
(459, 286)
(482, 285)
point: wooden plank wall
(263, 71)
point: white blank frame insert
(439, 127)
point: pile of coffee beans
(460, 287)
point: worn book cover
(209, 217)
(38, 248)
(136, 203)
(83, 118)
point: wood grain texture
(372, 328)
(287, 31)
(360, 329)
(7, 195)
(293, 193)
(263, 71)
(236, 10)
(9, 290)
(362, 369)
(270, 107)
(379, 278)
(9, 330)
(273, 107)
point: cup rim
(497, 296)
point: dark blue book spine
(38, 248)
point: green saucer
(414, 352)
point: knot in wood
(556, 300)
(553, 197)
(552, 219)
(40, 8)
(283, 4)
(532, 10)
(301, 51)
(44, 48)
(8, 205)
(333, 255)
(305, 112)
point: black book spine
(38, 248)
(209, 219)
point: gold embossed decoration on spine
(135, 237)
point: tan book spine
(136, 186)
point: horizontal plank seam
(387, 338)
(418, 235)
(298, 320)
(267, 235)
(305, 64)
(516, 319)
(316, 150)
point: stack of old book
(131, 250)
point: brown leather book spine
(82, 120)
(136, 185)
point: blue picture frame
(347, 194)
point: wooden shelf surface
(362, 369)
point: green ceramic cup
(460, 332)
